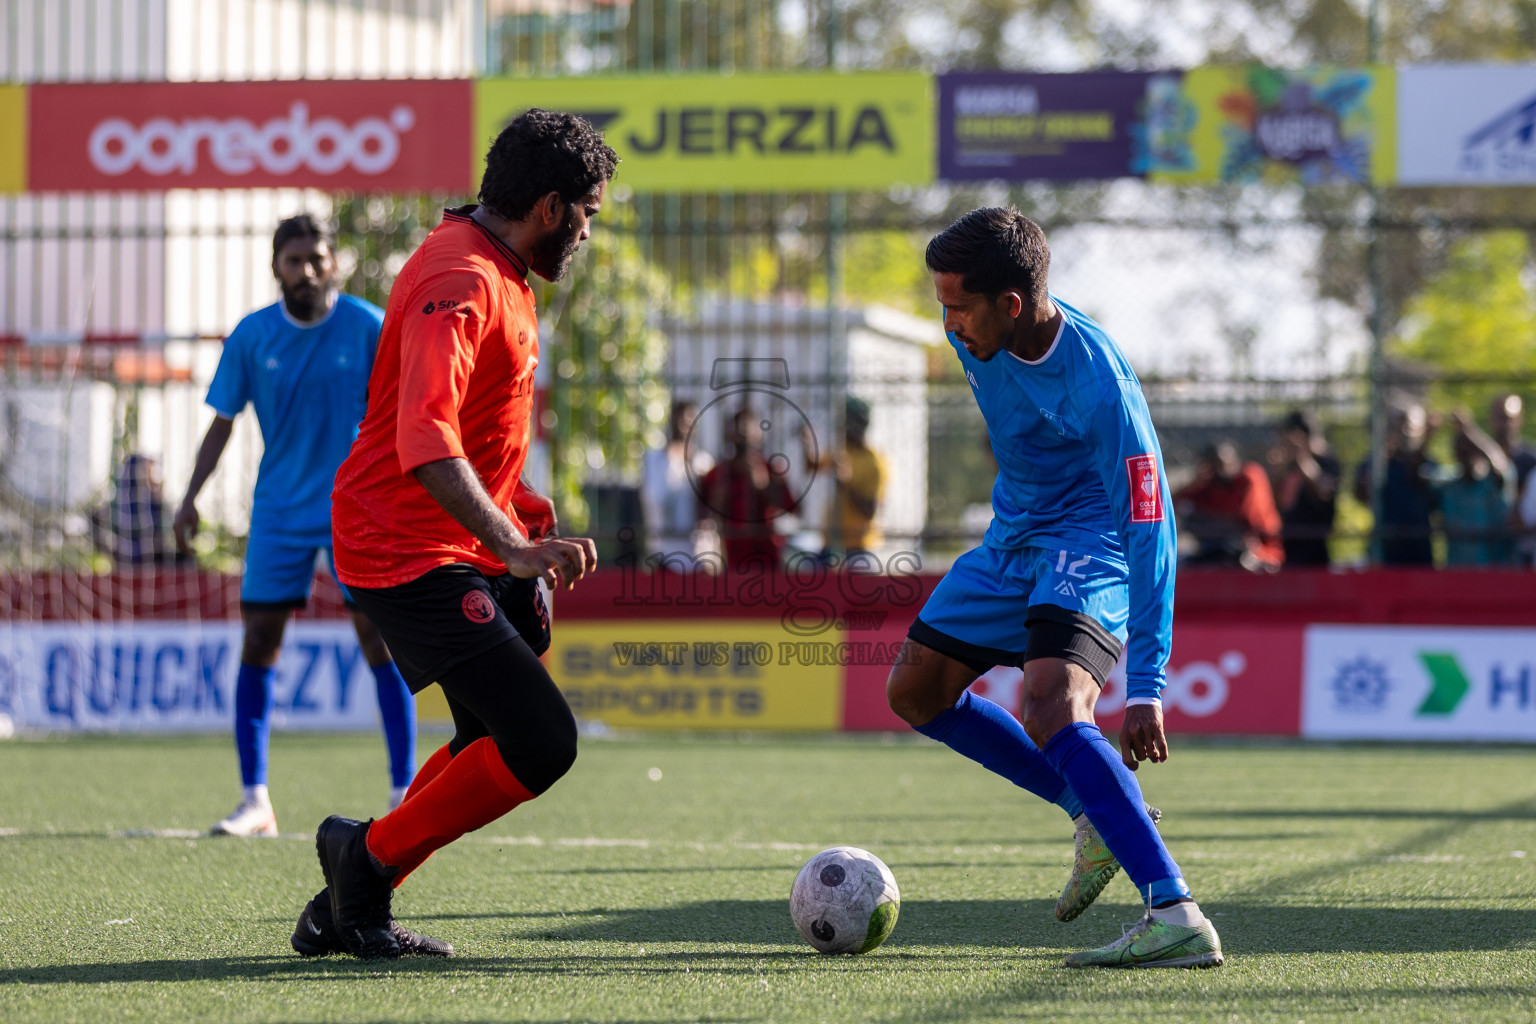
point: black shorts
(1054, 632)
(452, 614)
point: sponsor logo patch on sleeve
(1146, 490)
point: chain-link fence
(1237, 306)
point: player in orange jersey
(437, 538)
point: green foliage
(607, 404)
(1477, 317)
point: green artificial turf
(1357, 883)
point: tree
(1476, 318)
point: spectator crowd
(1481, 504)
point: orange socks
(425, 774)
(468, 792)
(429, 771)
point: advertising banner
(699, 674)
(374, 136)
(168, 676)
(1262, 125)
(1023, 127)
(1419, 683)
(1235, 680)
(789, 132)
(1467, 124)
(13, 138)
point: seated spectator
(1307, 490)
(1403, 527)
(1476, 501)
(132, 526)
(1230, 510)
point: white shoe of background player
(254, 817)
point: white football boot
(251, 819)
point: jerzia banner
(773, 132)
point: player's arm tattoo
(454, 485)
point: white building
(736, 354)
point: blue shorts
(280, 573)
(982, 610)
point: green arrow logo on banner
(1450, 683)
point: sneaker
(1153, 943)
(1092, 868)
(360, 893)
(397, 796)
(248, 820)
(316, 934)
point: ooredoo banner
(1419, 683)
(1466, 124)
(1239, 680)
(168, 676)
(371, 136)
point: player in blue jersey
(303, 363)
(1077, 565)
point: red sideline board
(1221, 679)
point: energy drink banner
(749, 132)
(1468, 124)
(1261, 125)
(1022, 127)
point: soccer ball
(845, 900)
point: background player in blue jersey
(303, 363)
(1077, 564)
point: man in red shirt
(437, 538)
(1230, 509)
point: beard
(551, 256)
(306, 301)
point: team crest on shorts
(1146, 491)
(478, 608)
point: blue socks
(987, 734)
(253, 721)
(398, 709)
(1092, 767)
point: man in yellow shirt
(860, 480)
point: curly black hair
(995, 249)
(300, 226)
(544, 151)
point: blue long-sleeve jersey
(1079, 468)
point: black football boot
(360, 893)
(316, 935)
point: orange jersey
(453, 379)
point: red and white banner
(375, 136)
(1237, 680)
